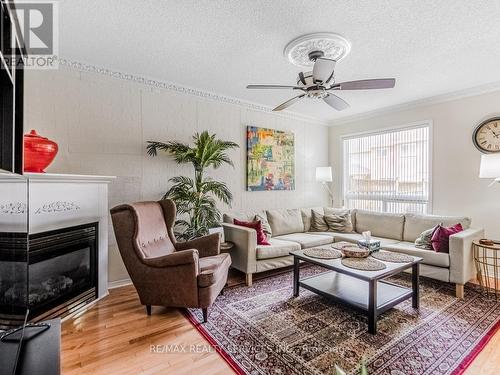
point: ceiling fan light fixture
(319, 93)
(304, 50)
(322, 51)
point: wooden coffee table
(364, 291)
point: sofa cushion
(265, 224)
(212, 269)
(381, 224)
(336, 211)
(340, 222)
(318, 223)
(429, 257)
(257, 226)
(307, 216)
(441, 237)
(285, 221)
(278, 248)
(307, 240)
(349, 237)
(331, 234)
(355, 237)
(424, 240)
(242, 215)
(417, 223)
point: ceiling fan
(320, 84)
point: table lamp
(490, 167)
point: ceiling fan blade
(271, 87)
(323, 70)
(336, 102)
(288, 103)
(366, 84)
(302, 78)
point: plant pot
(39, 152)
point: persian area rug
(263, 329)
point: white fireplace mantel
(55, 177)
(58, 201)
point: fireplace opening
(57, 275)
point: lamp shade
(324, 174)
(490, 166)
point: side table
(226, 246)
(487, 260)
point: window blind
(388, 171)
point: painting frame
(270, 159)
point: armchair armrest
(170, 280)
(243, 255)
(177, 258)
(207, 245)
(461, 261)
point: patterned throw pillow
(265, 225)
(340, 222)
(257, 225)
(424, 240)
(441, 237)
(318, 223)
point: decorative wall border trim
(455, 95)
(89, 68)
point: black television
(11, 94)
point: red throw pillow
(441, 237)
(257, 225)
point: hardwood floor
(115, 337)
(488, 361)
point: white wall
(102, 124)
(456, 188)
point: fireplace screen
(13, 284)
(65, 274)
(55, 272)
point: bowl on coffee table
(341, 244)
(354, 252)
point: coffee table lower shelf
(368, 292)
(355, 293)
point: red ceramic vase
(38, 152)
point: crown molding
(442, 98)
(89, 68)
(171, 86)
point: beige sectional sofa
(291, 230)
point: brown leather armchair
(166, 272)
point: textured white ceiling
(431, 47)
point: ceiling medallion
(333, 46)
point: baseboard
(119, 283)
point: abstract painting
(270, 159)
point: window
(388, 171)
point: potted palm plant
(196, 197)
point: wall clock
(486, 136)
